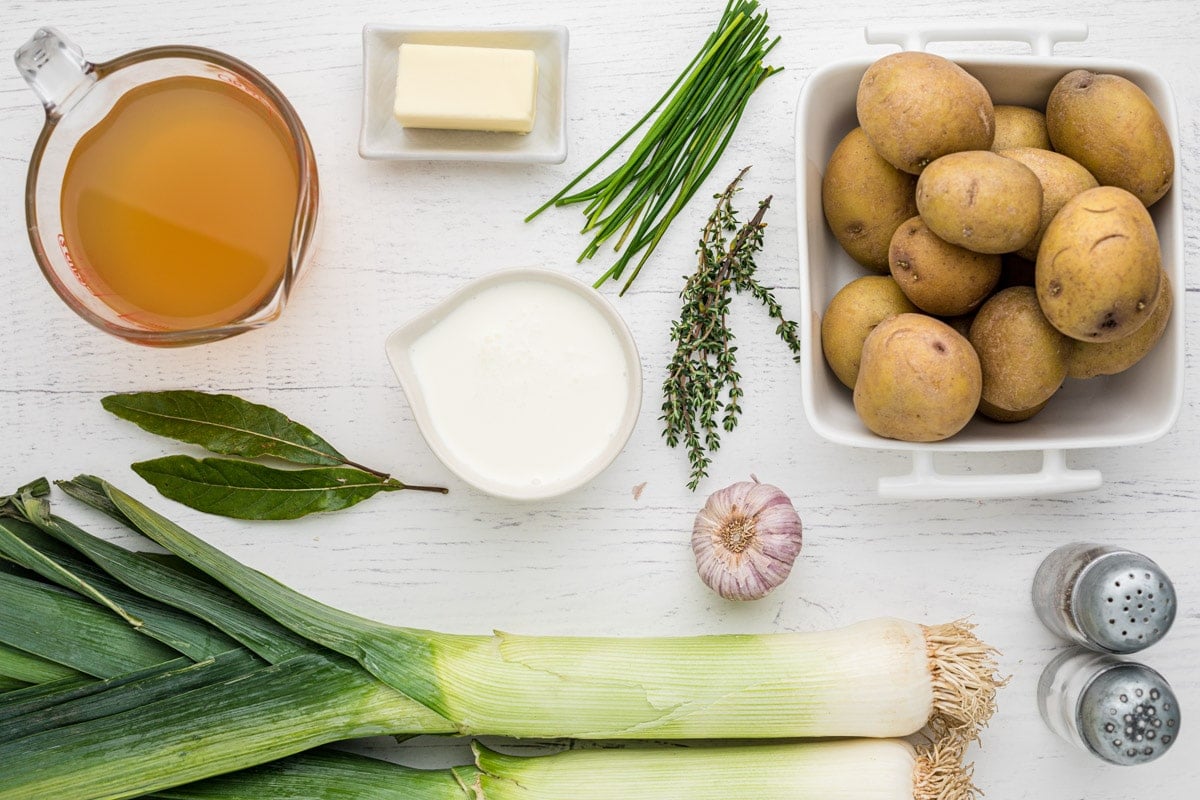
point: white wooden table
(398, 236)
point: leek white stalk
(879, 678)
(856, 769)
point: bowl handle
(926, 483)
(1041, 37)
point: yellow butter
(466, 88)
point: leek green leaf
(15, 548)
(40, 695)
(185, 588)
(326, 774)
(28, 668)
(225, 424)
(170, 679)
(265, 714)
(247, 490)
(180, 631)
(37, 488)
(61, 626)
(11, 684)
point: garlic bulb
(745, 540)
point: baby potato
(1022, 356)
(1109, 125)
(919, 381)
(1062, 178)
(852, 314)
(1089, 359)
(1099, 266)
(981, 201)
(998, 414)
(916, 107)
(940, 278)
(865, 199)
(1018, 126)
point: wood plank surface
(396, 237)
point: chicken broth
(178, 206)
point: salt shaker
(1120, 711)
(1104, 598)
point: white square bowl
(382, 137)
(1134, 407)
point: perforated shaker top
(1123, 602)
(1128, 715)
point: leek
(879, 678)
(301, 674)
(883, 769)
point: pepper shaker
(1120, 711)
(1104, 598)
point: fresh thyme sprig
(702, 382)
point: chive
(699, 112)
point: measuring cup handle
(55, 69)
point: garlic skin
(745, 540)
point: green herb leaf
(246, 490)
(224, 424)
(702, 392)
(692, 124)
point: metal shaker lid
(1128, 714)
(1123, 602)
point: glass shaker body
(1105, 598)
(1120, 711)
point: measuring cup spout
(55, 69)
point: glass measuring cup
(79, 95)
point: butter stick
(466, 88)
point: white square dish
(1134, 407)
(382, 137)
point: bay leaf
(248, 490)
(224, 424)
